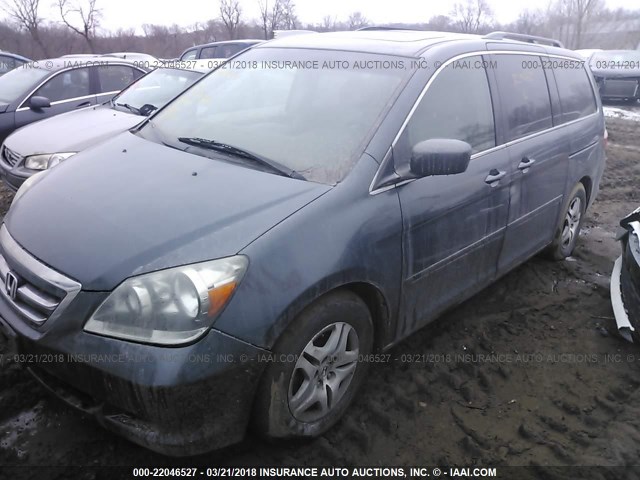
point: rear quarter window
(577, 98)
(524, 94)
(189, 54)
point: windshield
(157, 88)
(19, 81)
(616, 59)
(312, 111)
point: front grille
(10, 157)
(35, 291)
(627, 88)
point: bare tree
(289, 17)
(357, 20)
(25, 14)
(270, 16)
(87, 16)
(230, 12)
(472, 15)
(568, 19)
(329, 23)
(440, 22)
(530, 22)
(583, 10)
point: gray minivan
(242, 255)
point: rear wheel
(315, 373)
(568, 231)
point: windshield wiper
(238, 152)
(129, 107)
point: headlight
(26, 185)
(171, 306)
(43, 162)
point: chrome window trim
(60, 102)
(485, 53)
(110, 93)
(22, 108)
(12, 249)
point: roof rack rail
(384, 29)
(521, 37)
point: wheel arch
(587, 183)
(372, 295)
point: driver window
(66, 85)
(457, 105)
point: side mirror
(440, 157)
(38, 103)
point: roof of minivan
(391, 42)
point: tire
(568, 230)
(294, 402)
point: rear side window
(576, 94)
(524, 94)
(114, 78)
(189, 55)
(457, 105)
(66, 85)
(7, 64)
(209, 52)
(229, 50)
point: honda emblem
(11, 285)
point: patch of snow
(615, 112)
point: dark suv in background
(250, 245)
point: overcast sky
(133, 13)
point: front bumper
(175, 401)
(625, 289)
(14, 177)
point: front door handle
(494, 177)
(83, 104)
(525, 164)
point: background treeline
(578, 23)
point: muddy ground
(528, 372)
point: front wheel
(315, 371)
(567, 233)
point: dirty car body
(386, 193)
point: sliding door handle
(494, 177)
(525, 164)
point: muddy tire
(315, 373)
(568, 229)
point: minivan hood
(130, 206)
(71, 131)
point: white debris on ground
(623, 113)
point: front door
(453, 226)
(67, 91)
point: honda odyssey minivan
(235, 259)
